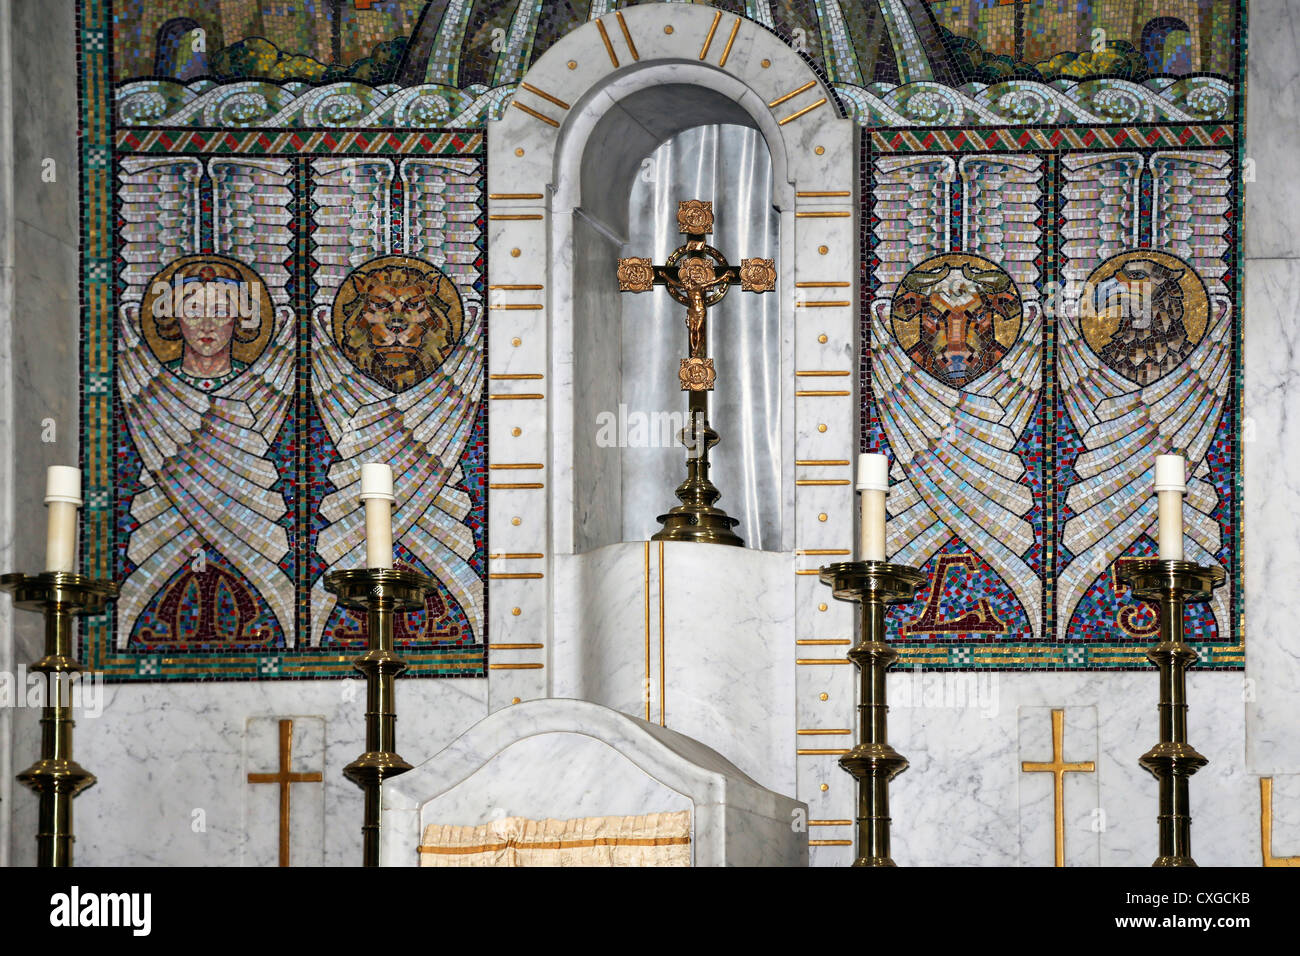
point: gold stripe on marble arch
(823, 193)
(708, 40)
(818, 751)
(830, 843)
(823, 373)
(520, 217)
(820, 462)
(529, 287)
(822, 481)
(513, 196)
(544, 95)
(509, 307)
(811, 571)
(810, 661)
(807, 109)
(514, 485)
(513, 556)
(807, 285)
(516, 647)
(536, 115)
(824, 304)
(726, 50)
(627, 35)
(646, 591)
(822, 215)
(823, 551)
(824, 731)
(516, 466)
(663, 686)
(822, 641)
(522, 396)
(816, 393)
(830, 823)
(516, 576)
(515, 667)
(792, 94)
(609, 48)
(522, 377)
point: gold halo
(1099, 329)
(908, 331)
(168, 350)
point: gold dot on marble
(821, 607)
(516, 342)
(519, 151)
(516, 611)
(821, 428)
(516, 431)
(514, 521)
(819, 150)
(765, 64)
(573, 64)
(668, 29)
(822, 516)
(824, 696)
(822, 338)
(825, 787)
(823, 250)
(514, 700)
(514, 253)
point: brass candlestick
(380, 592)
(1172, 585)
(873, 762)
(56, 777)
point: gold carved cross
(284, 777)
(1058, 768)
(698, 276)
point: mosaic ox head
(956, 315)
(397, 319)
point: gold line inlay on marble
(823, 551)
(818, 285)
(517, 647)
(814, 393)
(609, 47)
(514, 307)
(518, 377)
(646, 591)
(1266, 826)
(519, 396)
(820, 660)
(820, 751)
(513, 556)
(821, 462)
(824, 731)
(529, 287)
(726, 51)
(517, 217)
(830, 823)
(822, 193)
(822, 482)
(797, 113)
(708, 40)
(822, 641)
(822, 373)
(662, 679)
(823, 304)
(792, 94)
(627, 36)
(512, 196)
(544, 95)
(822, 215)
(536, 115)
(514, 484)
(516, 466)
(514, 667)
(830, 843)
(516, 576)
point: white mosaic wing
(956, 448)
(251, 216)
(352, 216)
(913, 200)
(207, 472)
(1190, 207)
(160, 207)
(1102, 210)
(441, 211)
(1000, 212)
(422, 433)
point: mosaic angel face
(397, 319)
(1142, 313)
(956, 316)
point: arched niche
(561, 160)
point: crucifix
(697, 276)
(285, 778)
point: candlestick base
(56, 777)
(1172, 585)
(380, 592)
(872, 762)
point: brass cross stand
(873, 762)
(56, 777)
(380, 592)
(698, 276)
(1172, 585)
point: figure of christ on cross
(697, 276)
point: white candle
(1171, 485)
(873, 483)
(62, 499)
(377, 493)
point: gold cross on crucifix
(285, 777)
(1058, 768)
(698, 276)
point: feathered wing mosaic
(283, 276)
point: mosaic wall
(307, 166)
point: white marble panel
(1272, 136)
